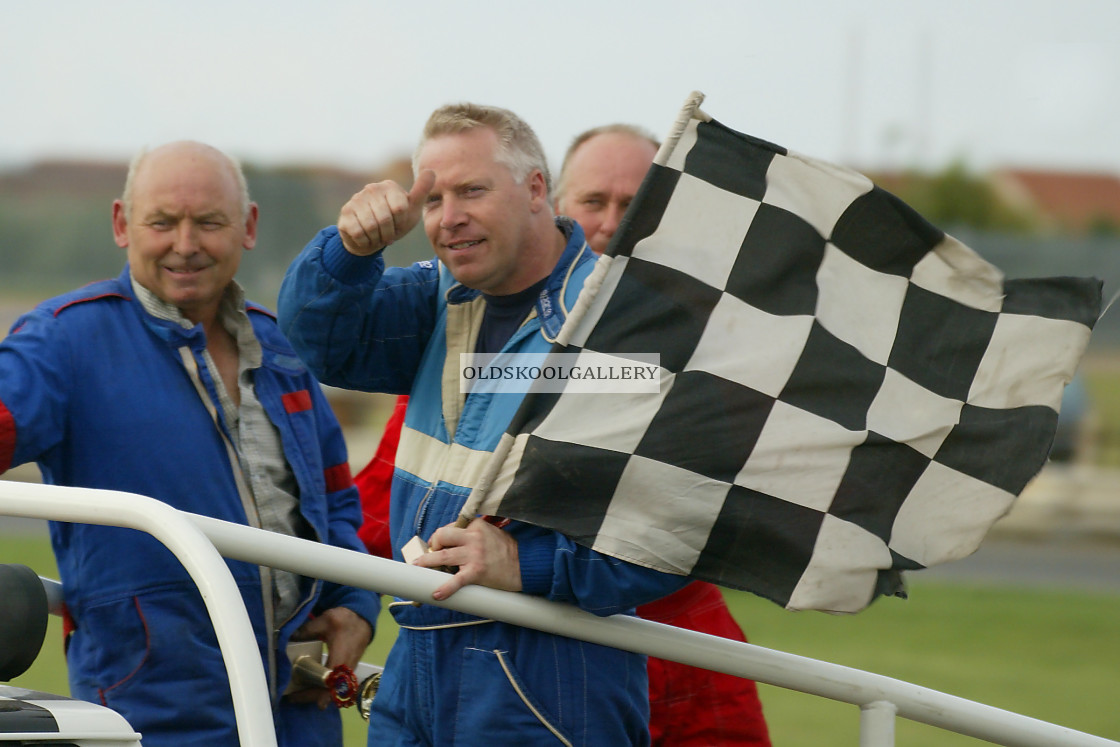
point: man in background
(601, 173)
(165, 382)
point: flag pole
(691, 110)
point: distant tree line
(55, 231)
(957, 197)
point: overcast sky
(869, 83)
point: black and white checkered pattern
(60, 720)
(847, 392)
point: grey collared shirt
(255, 439)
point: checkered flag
(846, 391)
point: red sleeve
(8, 438)
(373, 484)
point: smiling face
(479, 219)
(600, 180)
(185, 229)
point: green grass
(1049, 655)
(1054, 656)
(1102, 380)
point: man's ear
(120, 224)
(538, 190)
(251, 227)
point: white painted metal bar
(206, 567)
(55, 599)
(876, 724)
(633, 634)
(806, 675)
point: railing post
(876, 724)
(174, 529)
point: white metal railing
(197, 554)
(879, 698)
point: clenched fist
(382, 213)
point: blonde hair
(518, 147)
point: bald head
(185, 149)
(184, 220)
(600, 176)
